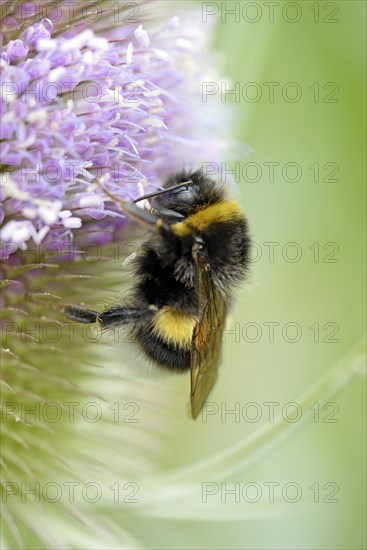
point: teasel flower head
(107, 99)
(121, 105)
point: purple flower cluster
(81, 109)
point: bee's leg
(150, 219)
(80, 314)
(134, 212)
(110, 317)
(170, 216)
(117, 316)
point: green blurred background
(323, 53)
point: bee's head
(201, 190)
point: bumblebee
(188, 267)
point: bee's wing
(207, 337)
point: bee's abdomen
(167, 338)
(165, 355)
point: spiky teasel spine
(65, 409)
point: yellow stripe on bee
(174, 326)
(221, 212)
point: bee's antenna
(165, 190)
